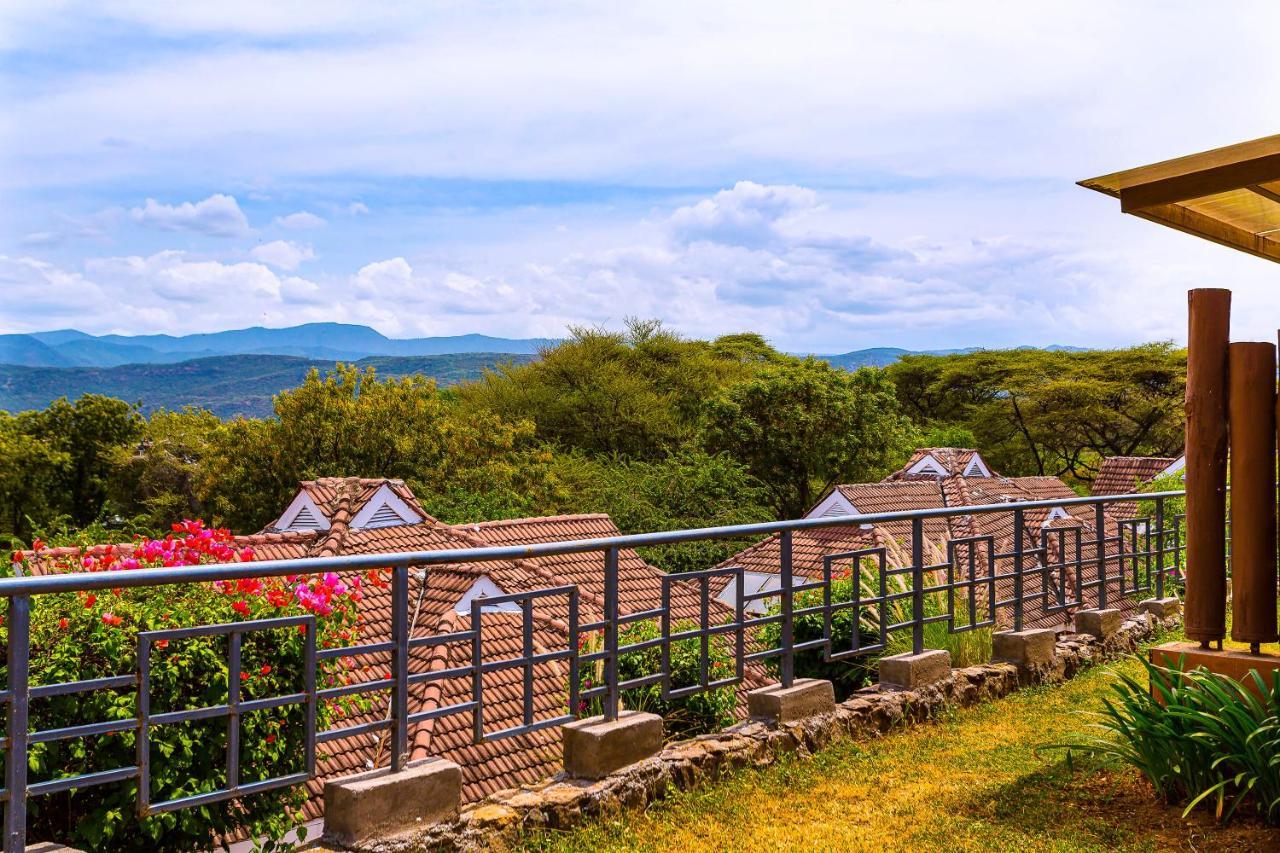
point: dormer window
(302, 514)
(384, 509)
(928, 465)
(977, 468)
(834, 505)
(483, 588)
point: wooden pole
(1209, 327)
(1252, 368)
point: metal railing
(1044, 568)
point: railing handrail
(1051, 597)
(86, 581)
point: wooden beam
(1201, 183)
(1267, 192)
(1223, 233)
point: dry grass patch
(971, 780)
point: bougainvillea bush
(76, 636)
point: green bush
(699, 713)
(79, 636)
(967, 648)
(1199, 737)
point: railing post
(19, 662)
(917, 586)
(612, 699)
(1018, 523)
(788, 666)
(1100, 523)
(1159, 547)
(400, 689)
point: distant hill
(227, 385)
(323, 341)
(883, 356)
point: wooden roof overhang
(1228, 195)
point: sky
(832, 175)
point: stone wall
(562, 803)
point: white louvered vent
(836, 509)
(305, 520)
(385, 516)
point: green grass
(971, 780)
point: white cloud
(218, 215)
(357, 207)
(282, 254)
(300, 220)
(747, 214)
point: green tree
(163, 479)
(1051, 413)
(800, 427)
(636, 394)
(29, 466)
(73, 443)
(689, 488)
(350, 423)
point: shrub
(966, 647)
(1198, 737)
(698, 713)
(77, 636)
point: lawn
(972, 780)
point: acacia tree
(800, 427)
(1052, 413)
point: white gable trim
(1054, 515)
(833, 505)
(311, 516)
(752, 583)
(484, 587)
(374, 513)
(1178, 466)
(977, 468)
(928, 465)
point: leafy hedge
(77, 636)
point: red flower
(244, 676)
(111, 619)
(266, 670)
(90, 600)
(162, 644)
(241, 607)
(270, 738)
(63, 623)
(37, 544)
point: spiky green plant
(1199, 737)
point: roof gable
(385, 508)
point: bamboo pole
(1209, 325)
(1252, 368)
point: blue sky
(833, 175)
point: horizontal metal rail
(1058, 562)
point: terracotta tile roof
(954, 460)
(901, 492)
(1122, 475)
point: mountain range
(237, 372)
(227, 385)
(322, 341)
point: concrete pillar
(379, 803)
(804, 698)
(1100, 623)
(594, 747)
(1161, 608)
(1028, 649)
(910, 671)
